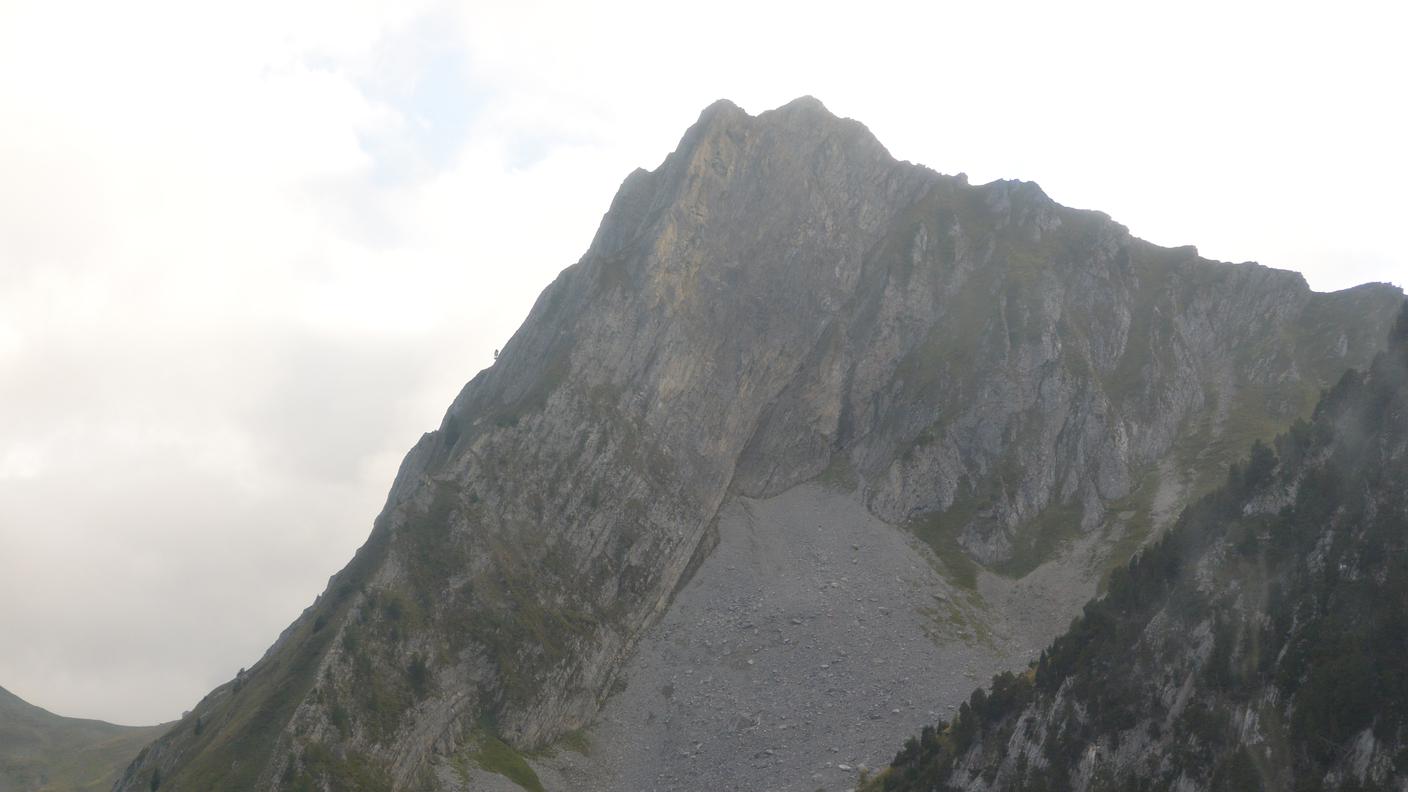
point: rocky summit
(808, 441)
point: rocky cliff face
(1259, 645)
(778, 301)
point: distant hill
(44, 752)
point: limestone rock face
(779, 299)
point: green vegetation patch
(940, 530)
(323, 768)
(1041, 538)
(493, 755)
(839, 476)
(577, 741)
(1137, 527)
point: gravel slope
(811, 642)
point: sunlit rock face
(1025, 387)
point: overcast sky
(249, 251)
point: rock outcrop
(779, 300)
(1258, 646)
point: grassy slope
(44, 752)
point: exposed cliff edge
(779, 300)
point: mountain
(44, 752)
(1258, 646)
(804, 429)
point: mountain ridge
(44, 752)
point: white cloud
(248, 252)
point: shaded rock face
(778, 299)
(1258, 646)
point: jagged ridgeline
(779, 300)
(1259, 645)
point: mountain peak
(806, 103)
(719, 110)
(802, 118)
(779, 301)
(720, 106)
(802, 104)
